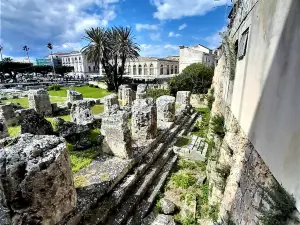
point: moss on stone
(80, 181)
(104, 177)
(14, 131)
(183, 141)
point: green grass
(86, 91)
(24, 101)
(97, 109)
(93, 136)
(81, 159)
(14, 131)
(201, 128)
(183, 141)
(183, 179)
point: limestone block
(127, 97)
(73, 96)
(163, 220)
(167, 206)
(144, 119)
(121, 90)
(33, 123)
(141, 91)
(7, 113)
(115, 127)
(3, 129)
(165, 108)
(183, 98)
(39, 100)
(81, 112)
(36, 180)
(109, 101)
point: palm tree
(107, 47)
(1, 48)
(7, 59)
(26, 49)
(50, 47)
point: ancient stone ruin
(183, 100)
(165, 110)
(3, 129)
(81, 112)
(7, 114)
(141, 91)
(109, 101)
(36, 180)
(73, 96)
(144, 119)
(39, 100)
(127, 97)
(121, 91)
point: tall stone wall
(39, 100)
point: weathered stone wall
(73, 96)
(3, 129)
(81, 112)
(7, 114)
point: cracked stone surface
(36, 180)
(81, 112)
(39, 100)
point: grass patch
(183, 179)
(201, 128)
(80, 181)
(81, 159)
(86, 91)
(214, 212)
(97, 109)
(14, 131)
(218, 125)
(94, 136)
(24, 101)
(183, 141)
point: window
(151, 70)
(145, 70)
(243, 45)
(161, 69)
(176, 70)
(172, 69)
(129, 70)
(89, 68)
(140, 70)
(168, 69)
(134, 70)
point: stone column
(144, 119)
(115, 127)
(141, 91)
(3, 129)
(121, 90)
(165, 108)
(81, 112)
(7, 114)
(127, 97)
(39, 100)
(183, 98)
(36, 185)
(109, 101)
(73, 96)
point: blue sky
(159, 26)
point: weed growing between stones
(183, 180)
(183, 141)
(224, 172)
(214, 212)
(279, 206)
(201, 129)
(80, 181)
(218, 126)
(210, 98)
(156, 92)
(14, 131)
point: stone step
(111, 200)
(128, 205)
(145, 205)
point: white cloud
(172, 34)
(215, 39)
(140, 27)
(57, 21)
(158, 50)
(155, 36)
(181, 27)
(176, 9)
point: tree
(26, 49)
(50, 47)
(62, 70)
(196, 78)
(1, 48)
(13, 68)
(111, 47)
(7, 59)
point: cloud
(57, 21)
(176, 9)
(181, 27)
(172, 34)
(140, 27)
(159, 50)
(155, 36)
(215, 39)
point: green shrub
(182, 141)
(156, 92)
(210, 100)
(281, 205)
(183, 180)
(189, 220)
(196, 78)
(218, 126)
(214, 212)
(201, 128)
(54, 87)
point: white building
(195, 54)
(151, 66)
(81, 65)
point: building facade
(195, 54)
(151, 66)
(43, 62)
